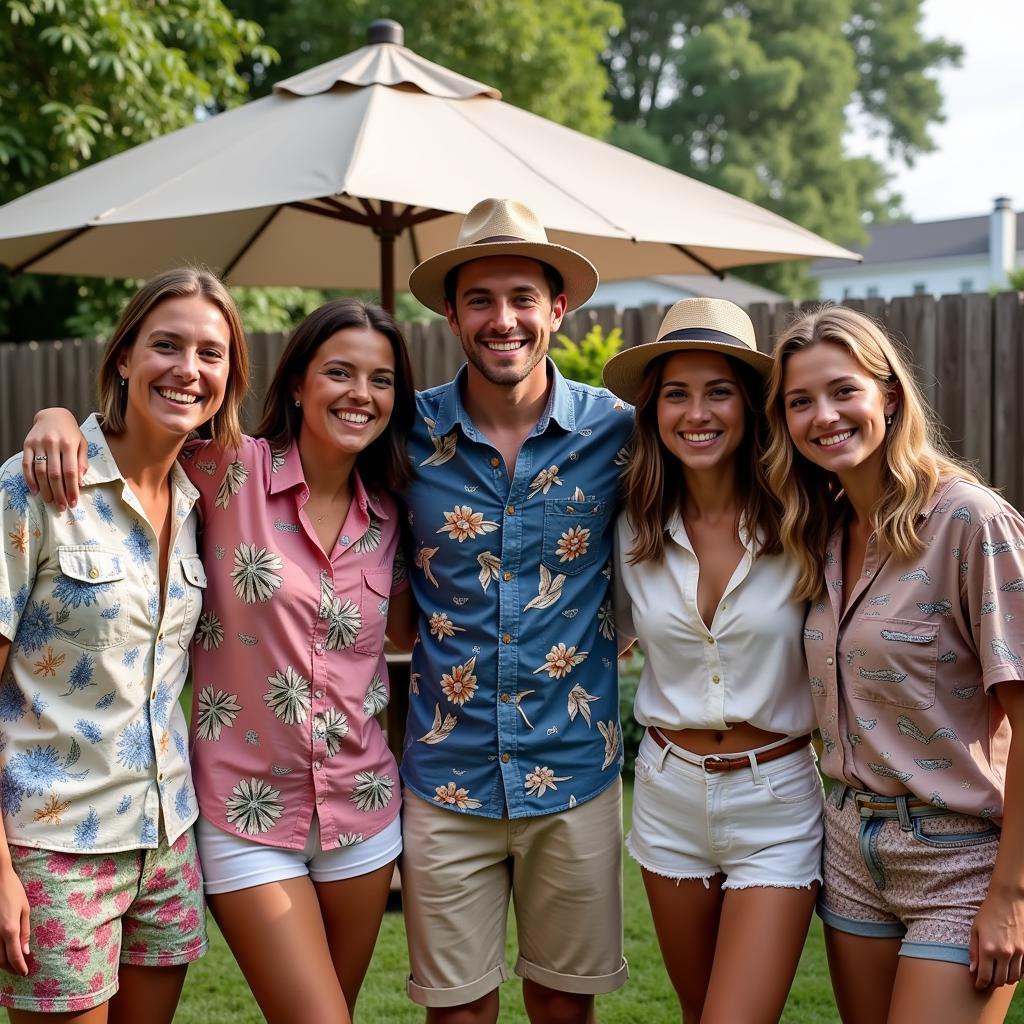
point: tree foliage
(756, 97)
(541, 54)
(81, 80)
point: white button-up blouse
(747, 667)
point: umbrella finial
(384, 30)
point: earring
(297, 403)
(888, 420)
(124, 381)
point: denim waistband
(905, 807)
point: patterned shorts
(922, 880)
(90, 912)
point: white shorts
(231, 863)
(758, 827)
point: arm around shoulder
(55, 457)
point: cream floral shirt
(93, 743)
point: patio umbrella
(352, 172)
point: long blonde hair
(915, 456)
(652, 482)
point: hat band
(497, 238)
(700, 334)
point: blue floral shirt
(514, 697)
(93, 743)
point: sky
(980, 147)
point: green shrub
(584, 360)
(632, 730)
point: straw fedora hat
(712, 325)
(503, 227)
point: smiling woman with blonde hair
(914, 646)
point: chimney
(1002, 241)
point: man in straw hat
(514, 750)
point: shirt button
(321, 799)
(506, 639)
(711, 639)
(505, 698)
(495, 461)
(159, 776)
(511, 510)
(869, 573)
(160, 636)
(319, 694)
(505, 758)
(506, 576)
(93, 573)
(716, 678)
(829, 660)
(319, 648)
(317, 765)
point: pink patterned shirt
(289, 672)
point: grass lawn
(215, 992)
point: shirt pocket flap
(193, 571)
(378, 580)
(90, 564)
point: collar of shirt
(291, 475)
(560, 409)
(103, 469)
(676, 529)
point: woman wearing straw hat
(727, 806)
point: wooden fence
(968, 351)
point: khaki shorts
(564, 874)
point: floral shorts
(90, 912)
(921, 880)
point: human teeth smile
(503, 346)
(353, 417)
(708, 435)
(177, 396)
(832, 439)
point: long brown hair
(653, 481)
(915, 456)
(383, 463)
(225, 428)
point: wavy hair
(915, 456)
(383, 463)
(653, 484)
(225, 427)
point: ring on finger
(39, 458)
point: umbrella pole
(387, 271)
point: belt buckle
(716, 763)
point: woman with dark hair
(101, 906)
(727, 803)
(297, 788)
(915, 574)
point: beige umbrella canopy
(282, 190)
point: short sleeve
(22, 527)
(220, 474)
(992, 564)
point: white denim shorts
(758, 826)
(231, 862)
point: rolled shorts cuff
(186, 956)
(945, 951)
(460, 994)
(867, 929)
(588, 985)
(58, 1004)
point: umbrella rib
(60, 243)
(689, 254)
(249, 243)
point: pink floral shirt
(289, 673)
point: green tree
(757, 96)
(81, 80)
(541, 54)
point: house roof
(733, 288)
(896, 243)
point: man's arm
(55, 457)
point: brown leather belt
(732, 762)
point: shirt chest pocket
(374, 595)
(893, 661)
(573, 534)
(90, 593)
(193, 577)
